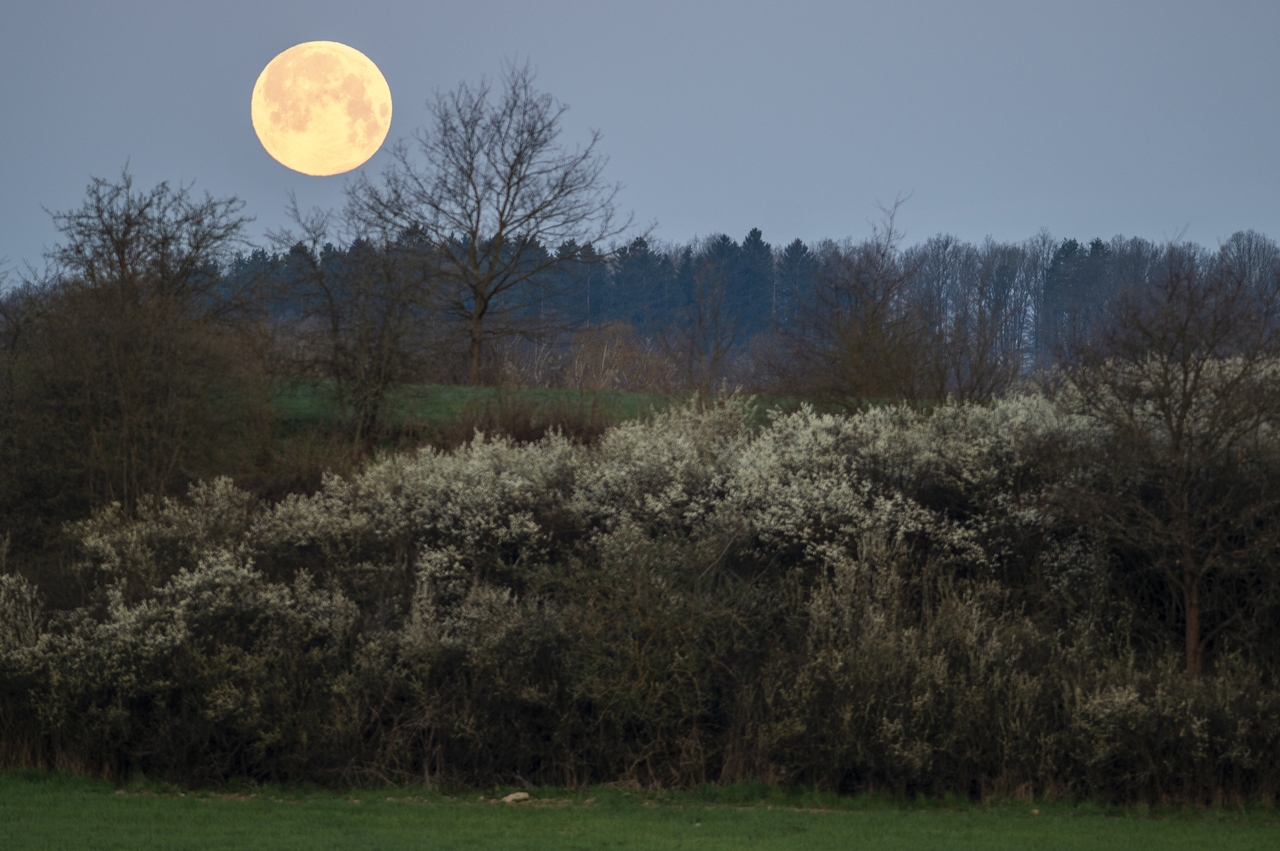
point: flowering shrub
(21, 618)
(892, 599)
(219, 673)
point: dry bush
(612, 357)
(601, 357)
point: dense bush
(890, 600)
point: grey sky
(1089, 119)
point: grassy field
(303, 403)
(53, 811)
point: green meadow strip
(55, 811)
(311, 401)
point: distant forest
(729, 314)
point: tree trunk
(476, 330)
(1195, 652)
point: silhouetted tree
(701, 334)
(489, 186)
(641, 291)
(1079, 283)
(757, 280)
(125, 374)
(795, 275)
(1184, 378)
(857, 334)
(359, 314)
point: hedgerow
(894, 599)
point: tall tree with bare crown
(491, 190)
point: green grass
(309, 402)
(56, 811)
(432, 403)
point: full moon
(321, 108)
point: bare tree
(700, 339)
(859, 334)
(358, 312)
(986, 334)
(122, 374)
(1184, 378)
(490, 188)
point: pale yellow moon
(321, 108)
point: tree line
(845, 321)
